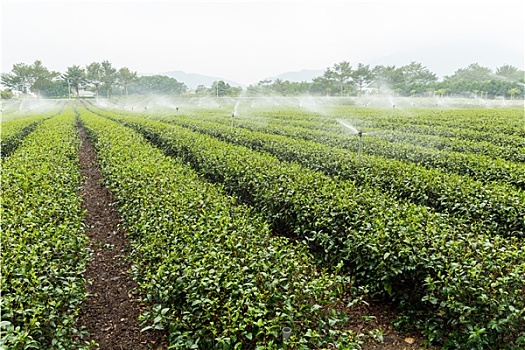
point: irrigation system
(354, 131)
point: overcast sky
(248, 41)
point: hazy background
(249, 41)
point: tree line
(413, 79)
(342, 79)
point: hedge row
(471, 284)
(479, 167)
(43, 251)
(493, 208)
(217, 277)
(496, 125)
(14, 131)
(502, 136)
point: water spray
(354, 131)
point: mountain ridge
(193, 80)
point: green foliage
(43, 246)
(278, 87)
(108, 76)
(493, 208)
(34, 78)
(157, 84)
(74, 77)
(474, 72)
(221, 88)
(14, 131)
(485, 168)
(94, 75)
(125, 77)
(465, 280)
(510, 72)
(362, 76)
(6, 94)
(216, 275)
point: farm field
(248, 215)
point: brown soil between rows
(111, 313)
(379, 315)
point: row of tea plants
(478, 166)
(493, 207)
(43, 243)
(469, 283)
(215, 274)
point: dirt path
(110, 314)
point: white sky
(249, 41)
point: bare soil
(111, 312)
(379, 315)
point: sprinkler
(231, 124)
(354, 131)
(360, 146)
(286, 333)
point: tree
(386, 77)
(201, 90)
(415, 77)
(57, 88)
(26, 78)
(441, 92)
(514, 91)
(126, 77)
(220, 88)
(158, 84)
(42, 77)
(19, 78)
(510, 72)
(74, 77)
(94, 75)
(474, 72)
(341, 72)
(362, 76)
(6, 94)
(263, 87)
(108, 76)
(416, 73)
(323, 85)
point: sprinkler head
(233, 115)
(360, 134)
(286, 333)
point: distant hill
(298, 76)
(192, 80)
(442, 59)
